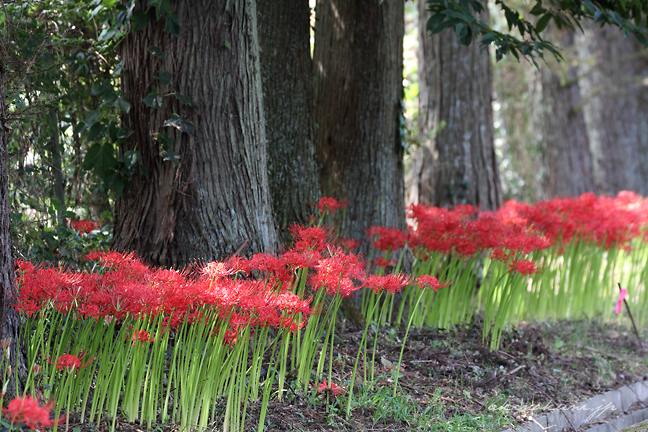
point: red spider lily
(333, 388)
(27, 410)
(390, 283)
(217, 270)
(71, 362)
(273, 266)
(141, 336)
(382, 262)
(330, 204)
(83, 226)
(348, 244)
(524, 267)
(426, 281)
(337, 273)
(302, 259)
(310, 238)
(388, 239)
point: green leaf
(140, 20)
(92, 118)
(161, 7)
(156, 51)
(123, 104)
(164, 77)
(542, 22)
(96, 131)
(164, 140)
(153, 100)
(488, 38)
(108, 33)
(169, 155)
(183, 99)
(434, 21)
(183, 125)
(105, 92)
(118, 69)
(538, 9)
(100, 158)
(79, 128)
(123, 133)
(115, 181)
(466, 38)
(227, 45)
(131, 158)
(172, 24)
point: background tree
(358, 65)
(205, 191)
(286, 71)
(558, 125)
(609, 91)
(456, 163)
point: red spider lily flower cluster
(387, 239)
(390, 283)
(83, 226)
(330, 204)
(125, 287)
(518, 229)
(142, 336)
(524, 267)
(426, 281)
(70, 362)
(337, 390)
(27, 410)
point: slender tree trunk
(57, 169)
(457, 162)
(359, 72)
(558, 124)
(9, 320)
(609, 94)
(286, 70)
(216, 197)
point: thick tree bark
(216, 197)
(9, 320)
(286, 70)
(558, 125)
(641, 74)
(609, 93)
(358, 66)
(457, 162)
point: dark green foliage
(526, 41)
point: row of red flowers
(518, 229)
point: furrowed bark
(216, 197)
(286, 71)
(358, 66)
(457, 162)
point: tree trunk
(359, 72)
(216, 197)
(641, 74)
(9, 320)
(286, 71)
(558, 125)
(456, 163)
(609, 95)
(57, 169)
